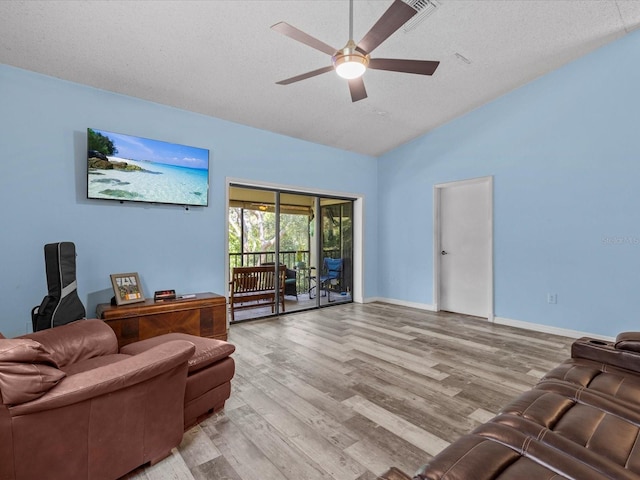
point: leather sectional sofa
(581, 421)
(73, 406)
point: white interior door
(465, 247)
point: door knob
(443, 252)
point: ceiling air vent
(424, 9)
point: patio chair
(330, 277)
(290, 281)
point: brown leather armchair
(73, 407)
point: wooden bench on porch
(253, 287)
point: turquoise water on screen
(157, 183)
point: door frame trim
(437, 258)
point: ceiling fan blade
(390, 21)
(421, 67)
(356, 87)
(304, 76)
(292, 32)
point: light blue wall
(43, 124)
(564, 151)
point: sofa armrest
(609, 353)
(110, 378)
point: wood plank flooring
(346, 392)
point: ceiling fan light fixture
(350, 63)
(351, 68)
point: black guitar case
(62, 304)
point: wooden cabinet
(205, 316)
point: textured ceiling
(220, 58)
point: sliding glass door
(334, 280)
(309, 237)
(296, 227)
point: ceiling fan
(353, 60)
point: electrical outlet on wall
(552, 298)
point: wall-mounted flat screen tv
(127, 168)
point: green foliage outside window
(260, 234)
(337, 230)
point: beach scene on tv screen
(124, 167)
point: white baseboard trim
(538, 327)
(402, 303)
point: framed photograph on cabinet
(127, 288)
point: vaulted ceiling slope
(220, 58)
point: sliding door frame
(357, 293)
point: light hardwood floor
(346, 392)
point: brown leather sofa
(581, 421)
(74, 407)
